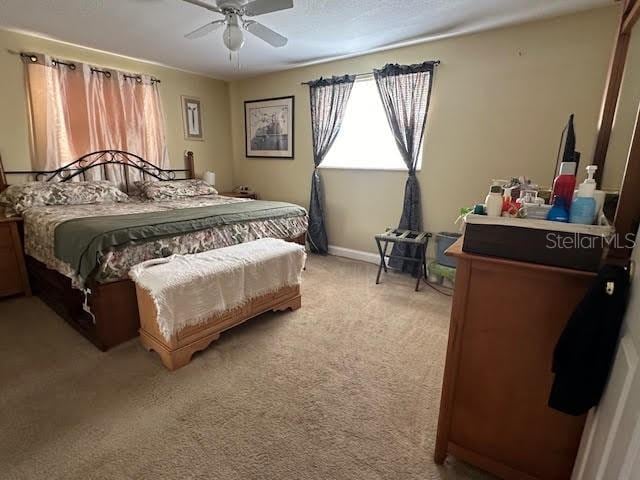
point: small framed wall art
(192, 118)
(268, 127)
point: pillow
(17, 198)
(165, 190)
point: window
(79, 108)
(365, 140)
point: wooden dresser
(505, 321)
(13, 273)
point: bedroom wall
(500, 101)
(214, 153)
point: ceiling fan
(234, 12)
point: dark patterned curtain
(405, 91)
(329, 97)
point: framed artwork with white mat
(268, 127)
(192, 118)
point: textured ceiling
(317, 29)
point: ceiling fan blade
(203, 4)
(204, 30)
(260, 7)
(264, 33)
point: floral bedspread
(40, 224)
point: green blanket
(82, 241)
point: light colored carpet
(347, 387)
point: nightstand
(251, 195)
(13, 272)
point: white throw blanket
(190, 289)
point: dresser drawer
(6, 240)
(13, 274)
(10, 277)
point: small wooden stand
(13, 272)
(177, 351)
(251, 195)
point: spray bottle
(583, 209)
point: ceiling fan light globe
(233, 37)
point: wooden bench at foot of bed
(177, 351)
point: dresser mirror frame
(627, 219)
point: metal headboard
(102, 160)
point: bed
(79, 256)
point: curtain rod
(33, 58)
(366, 74)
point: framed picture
(268, 127)
(192, 118)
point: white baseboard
(354, 254)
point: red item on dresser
(565, 183)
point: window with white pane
(365, 140)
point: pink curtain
(59, 134)
(77, 109)
(143, 118)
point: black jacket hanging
(583, 356)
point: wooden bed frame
(108, 314)
(114, 316)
